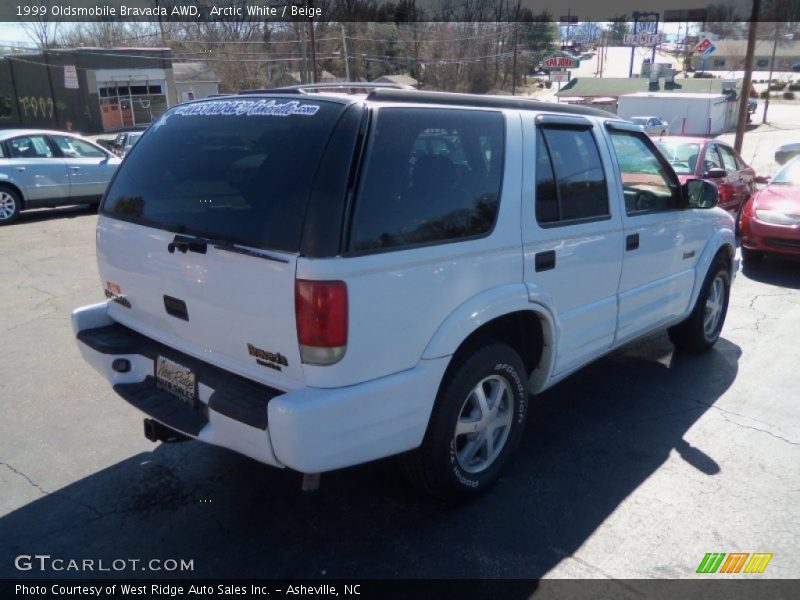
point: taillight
(321, 313)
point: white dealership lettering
(250, 108)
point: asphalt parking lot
(635, 467)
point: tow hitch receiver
(156, 432)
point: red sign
(559, 62)
(703, 46)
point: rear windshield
(238, 170)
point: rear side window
(30, 146)
(728, 159)
(238, 170)
(432, 175)
(570, 182)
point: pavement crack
(26, 478)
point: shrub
(777, 86)
(788, 95)
(795, 87)
(703, 75)
(763, 95)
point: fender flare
(720, 239)
(487, 306)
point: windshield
(238, 170)
(681, 155)
(639, 121)
(788, 175)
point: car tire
(751, 256)
(701, 329)
(663, 132)
(10, 205)
(454, 463)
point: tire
(455, 465)
(10, 205)
(751, 256)
(696, 333)
(663, 132)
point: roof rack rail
(476, 100)
(352, 87)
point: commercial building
(730, 54)
(88, 90)
(194, 80)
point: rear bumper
(311, 430)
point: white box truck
(687, 114)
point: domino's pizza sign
(705, 48)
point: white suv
(318, 280)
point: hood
(783, 198)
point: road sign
(643, 39)
(560, 62)
(560, 76)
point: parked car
(652, 125)
(50, 168)
(316, 281)
(787, 152)
(770, 221)
(715, 161)
(125, 141)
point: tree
(41, 29)
(617, 29)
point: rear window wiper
(199, 244)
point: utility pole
(304, 63)
(314, 76)
(514, 62)
(633, 46)
(344, 51)
(748, 77)
(771, 66)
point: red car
(714, 161)
(770, 220)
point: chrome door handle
(74, 168)
(20, 168)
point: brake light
(321, 315)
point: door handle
(632, 242)
(73, 168)
(545, 261)
(20, 168)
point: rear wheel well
(726, 253)
(522, 330)
(16, 190)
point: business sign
(643, 39)
(559, 76)
(560, 62)
(70, 77)
(706, 47)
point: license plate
(176, 379)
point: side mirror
(699, 193)
(715, 173)
(762, 178)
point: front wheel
(476, 425)
(701, 329)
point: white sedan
(651, 125)
(50, 168)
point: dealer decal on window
(249, 108)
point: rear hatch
(200, 230)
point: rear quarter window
(430, 176)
